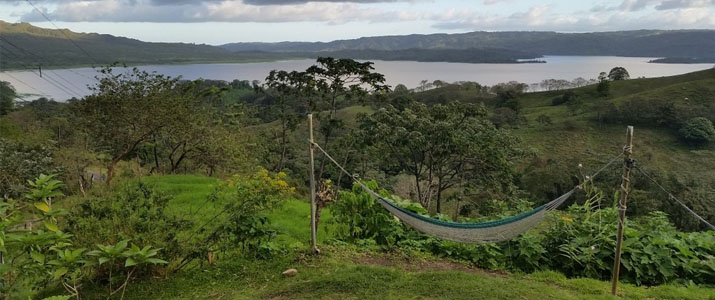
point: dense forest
(202, 183)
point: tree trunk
(284, 146)
(156, 158)
(439, 199)
(110, 169)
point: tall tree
(288, 90)
(7, 97)
(340, 80)
(127, 109)
(442, 146)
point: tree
(442, 146)
(287, 89)
(7, 98)
(604, 85)
(618, 73)
(400, 89)
(698, 131)
(338, 80)
(127, 109)
(579, 82)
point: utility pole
(625, 184)
(313, 229)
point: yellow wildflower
(567, 219)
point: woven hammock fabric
(483, 232)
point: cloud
(675, 4)
(490, 2)
(543, 17)
(212, 11)
(285, 2)
(627, 14)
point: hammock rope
(482, 232)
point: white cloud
(212, 11)
(628, 14)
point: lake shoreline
(409, 73)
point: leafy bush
(579, 242)
(20, 164)
(242, 222)
(135, 211)
(363, 218)
(698, 131)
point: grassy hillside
(24, 46)
(576, 134)
(344, 271)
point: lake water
(409, 73)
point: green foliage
(19, 164)
(604, 86)
(28, 254)
(7, 98)
(135, 211)
(618, 73)
(544, 120)
(578, 243)
(443, 146)
(242, 221)
(698, 131)
(361, 217)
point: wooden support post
(313, 229)
(40, 68)
(625, 185)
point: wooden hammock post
(625, 183)
(313, 229)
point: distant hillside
(489, 55)
(647, 43)
(23, 45)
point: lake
(409, 73)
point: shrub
(567, 97)
(136, 211)
(364, 218)
(242, 222)
(698, 131)
(19, 164)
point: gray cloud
(676, 4)
(287, 2)
(160, 11)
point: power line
(671, 196)
(41, 57)
(75, 90)
(63, 33)
(20, 81)
(49, 79)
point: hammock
(483, 232)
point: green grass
(352, 273)
(340, 273)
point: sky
(224, 21)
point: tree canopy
(618, 73)
(442, 146)
(7, 97)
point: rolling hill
(25, 46)
(647, 43)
